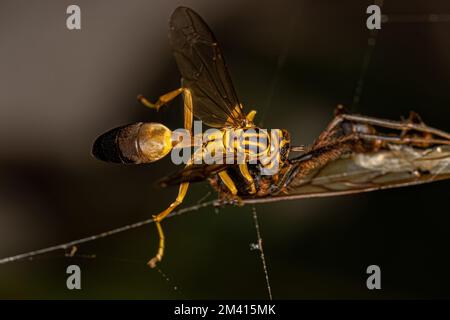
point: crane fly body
(353, 154)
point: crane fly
(353, 154)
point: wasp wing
(362, 172)
(192, 173)
(203, 70)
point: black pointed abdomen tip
(106, 148)
(133, 143)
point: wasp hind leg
(162, 100)
(166, 98)
(158, 218)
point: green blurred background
(59, 89)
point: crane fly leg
(226, 179)
(403, 140)
(384, 123)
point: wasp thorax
(134, 143)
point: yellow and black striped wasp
(353, 154)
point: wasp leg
(226, 179)
(158, 218)
(164, 99)
(244, 171)
(188, 118)
(188, 109)
(401, 139)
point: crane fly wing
(203, 70)
(363, 172)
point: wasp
(353, 154)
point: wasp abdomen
(134, 143)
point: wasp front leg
(413, 123)
(230, 195)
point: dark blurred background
(59, 89)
